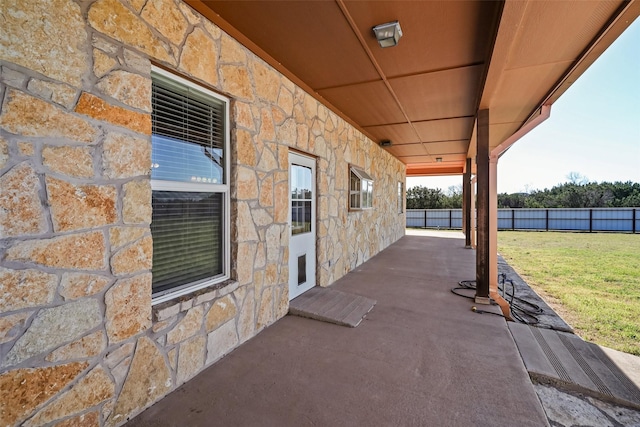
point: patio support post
(466, 204)
(483, 248)
(472, 194)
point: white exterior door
(302, 224)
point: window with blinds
(190, 192)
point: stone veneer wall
(80, 343)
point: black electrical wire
(522, 310)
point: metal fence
(625, 220)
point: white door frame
(302, 224)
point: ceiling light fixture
(439, 159)
(388, 34)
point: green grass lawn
(591, 280)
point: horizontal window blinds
(187, 237)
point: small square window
(360, 189)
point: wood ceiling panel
(449, 147)
(439, 95)
(437, 35)
(407, 150)
(542, 38)
(446, 158)
(314, 41)
(445, 129)
(369, 104)
(398, 134)
(521, 90)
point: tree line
(575, 194)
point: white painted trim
(225, 188)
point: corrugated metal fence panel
(596, 219)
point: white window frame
(362, 176)
(401, 197)
(163, 185)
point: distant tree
(577, 178)
(420, 197)
(453, 199)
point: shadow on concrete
(421, 357)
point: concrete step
(331, 306)
(566, 360)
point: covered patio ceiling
(455, 57)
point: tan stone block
(100, 42)
(55, 47)
(118, 355)
(74, 207)
(267, 129)
(246, 230)
(244, 262)
(221, 341)
(92, 106)
(102, 63)
(271, 274)
(199, 57)
(165, 17)
(273, 240)
(268, 160)
(286, 133)
(31, 387)
(281, 202)
(282, 302)
(57, 92)
(11, 325)
(298, 114)
(28, 116)
(80, 285)
(212, 29)
(220, 312)
(25, 288)
(243, 115)
(302, 130)
(120, 236)
(236, 82)
(84, 251)
(136, 204)
(267, 81)
(191, 358)
(94, 388)
(246, 318)
(261, 256)
(148, 380)
(191, 16)
(133, 258)
(261, 217)
(71, 161)
(54, 326)
(172, 355)
(137, 4)
(21, 212)
(90, 419)
(232, 52)
(112, 18)
(128, 307)
(190, 324)
(4, 152)
(265, 309)
(26, 148)
(130, 89)
(246, 184)
(285, 101)
(137, 63)
(278, 115)
(126, 156)
(88, 346)
(246, 148)
(266, 192)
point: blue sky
(594, 129)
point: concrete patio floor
(421, 357)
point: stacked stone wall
(80, 343)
